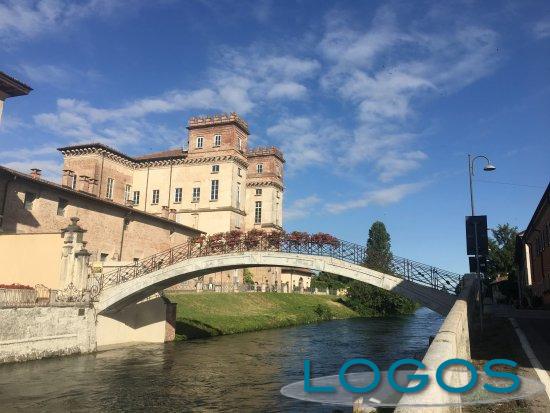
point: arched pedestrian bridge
(430, 286)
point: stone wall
(37, 332)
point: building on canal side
(34, 212)
(217, 184)
(533, 254)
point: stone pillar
(81, 269)
(74, 259)
(172, 214)
(165, 211)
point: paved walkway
(533, 330)
(508, 311)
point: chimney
(172, 214)
(67, 178)
(84, 183)
(164, 212)
(92, 185)
(36, 173)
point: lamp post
(489, 167)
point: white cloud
(251, 76)
(288, 90)
(385, 70)
(23, 19)
(125, 124)
(306, 141)
(55, 75)
(394, 164)
(301, 208)
(382, 197)
(541, 29)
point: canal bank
(240, 372)
(201, 315)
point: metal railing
(410, 270)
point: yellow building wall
(30, 259)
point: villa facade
(216, 184)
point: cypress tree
(367, 299)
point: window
(240, 144)
(217, 140)
(103, 257)
(214, 190)
(61, 206)
(110, 186)
(258, 213)
(156, 196)
(215, 169)
(239, 172)
(196, 194)
(178, 195)
(258, 191)
(260, 168)
(29, 199)
(238, 195)
(200, 141)
(73, 181)
(127, 192)
(136, 197)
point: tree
(501, 259)
(379, 256)
(502, 245)
(331, 281)
(367, 299)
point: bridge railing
(410, 270)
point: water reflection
(232, 373)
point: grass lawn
(210, 314)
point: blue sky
(375, 104)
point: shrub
(323, 312)
(325, 239)
(369, 300)
(247, 277)
(233, 238)
(298, 238)
(253, 238)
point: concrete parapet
(452, 341)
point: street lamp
(489, 167)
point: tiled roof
(170, 153)
(12, 86)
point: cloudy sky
(375, 104)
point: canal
(242, 372)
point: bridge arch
(119, 295)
